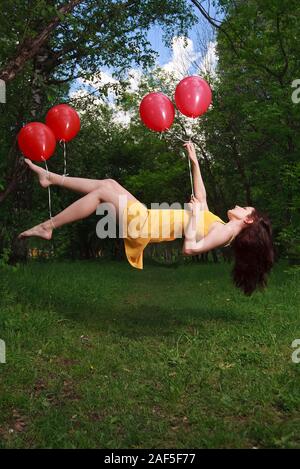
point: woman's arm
(190, 232)
(199, 188)
(219, 236)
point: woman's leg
(81, 185)
(109, 191)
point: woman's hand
(194, 205)
(191, 152)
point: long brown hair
(254, 254)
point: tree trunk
(31, 47)
(22, 176)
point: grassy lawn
(100, 355)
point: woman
(248, 230)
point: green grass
(100, 355)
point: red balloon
(37, 141)
(64, 121)
(157, 111)
(193, 96)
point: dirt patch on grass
(56, 397)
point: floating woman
(248, 230)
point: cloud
(184, 59)
(135, 76)
(99, 79)
(87, 93)
(122, 117)
(183, 56)
(209, 62)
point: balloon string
(190, 169)
(65, 159)
(191, 175)
(49, 193)
(65, 162)
(179, 138)
(175, 135)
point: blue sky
(155, 37)
(156, 33)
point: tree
(253, 129)
(58, 41)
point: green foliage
(253, 129)
(93, 35)
(248, 142)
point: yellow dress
(143, 226)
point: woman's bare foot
(44, 230)
(44, 178)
